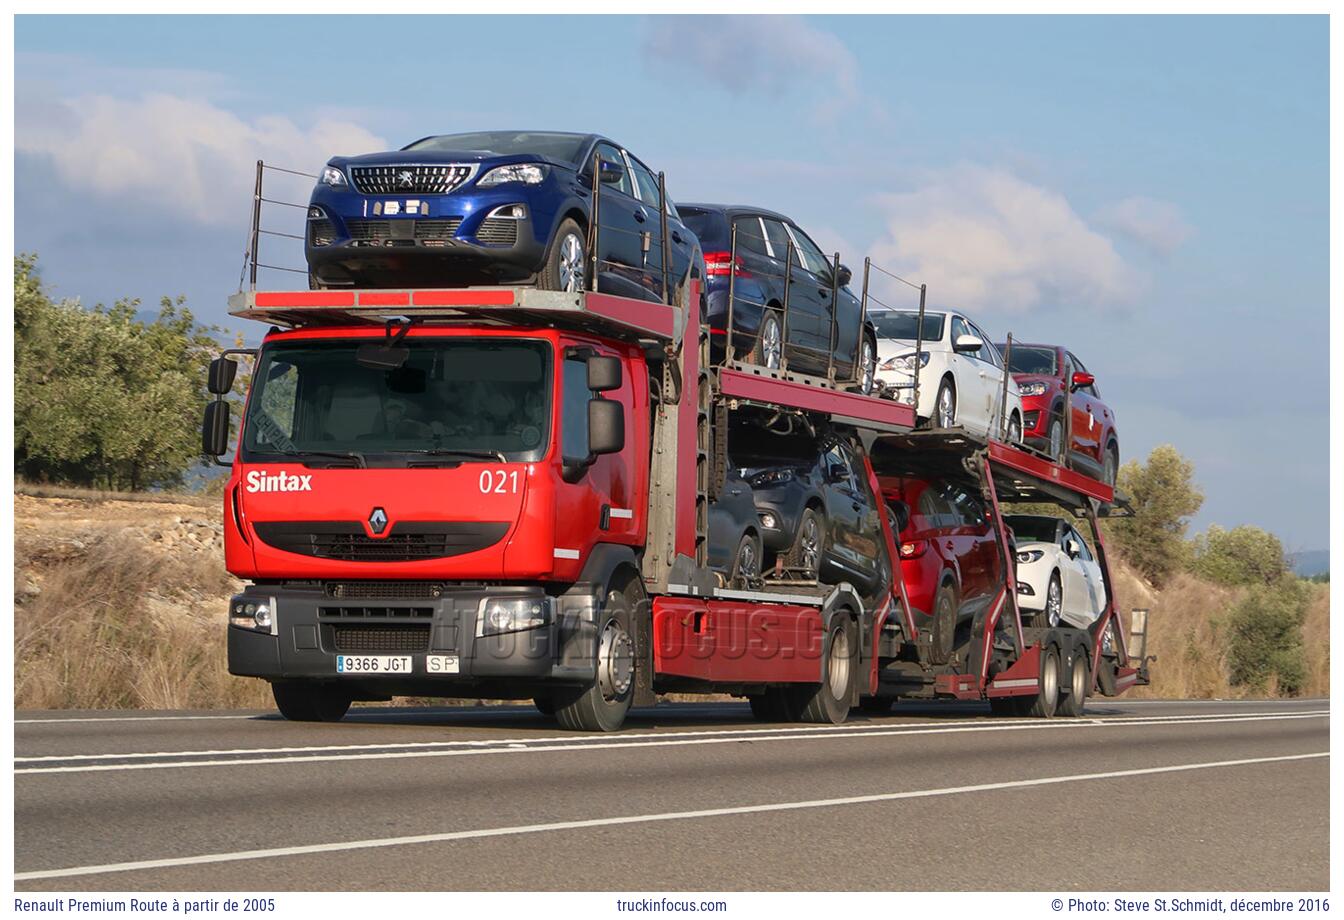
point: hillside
(119, 603)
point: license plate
(373, 664)
(441, 664)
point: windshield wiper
(463, 453)
(337, 455)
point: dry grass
(46, 490)
(1316, 637)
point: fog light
(769, 521)
(262, 617)
(507, 614)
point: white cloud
(184, 156)
(1156, 225)
(983, 239)
(756, 54)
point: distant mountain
(1311, 562)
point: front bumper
(311, 627)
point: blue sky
(1150, 191)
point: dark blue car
(763, 240)
(494, 207)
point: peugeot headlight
(1030, 555)
(526, 173)
(333, 177)
(905, 363)
(771, 477)
(1033, 389)
(512, 614)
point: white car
(961, 375)
(1058, 581)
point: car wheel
(867, 366)
(1057, 439)
(1071, 704)
(945, 408)
(747, 560)
(310, 701)
(809, 544)
(603, 704)
(1014, 429)
(1110, 465)
(944, 624)
(1044, 704)
(566, 267)
(1054, 605)
(769, 348)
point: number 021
(498, 482)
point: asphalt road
(1137, 795)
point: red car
(949, 557)
(1045, 373)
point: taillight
(720, 264)
(914, 549)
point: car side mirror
(836, 472)
(968, 343)
(220, 378)
(901, 512)
(843, 276)
(1081, 379)
(610, 173)
(215, 429)
(1072, 548)
(604, 373)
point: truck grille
(386, 590)
(424, 231)
(405, 542)
(498, 231)
(410, 180)
(366, 637)
(365, 613)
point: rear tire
(768, 351)
(809, 545)
(1044, 704)
(1071, 704)
(867, 367)
(310, 701)
(827, 703)
(1056, 438)
(1110, 465)
(566, 266)
(603, 704)
(944, 624)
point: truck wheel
(1054, 605)
(1071, 704)
(944, 624)
(808, 546)
(828, 702)
(310, 701)
(601, 706)
(1044, 704)
(566, 265)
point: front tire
(808, 545)
(747, 560)
(1056, 437)
(310, 701)
(603, 704)
(827, 703)
(945, 407)
(566, 266)
(1049, 617)
(1014, 429)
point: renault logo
(378, 520)
(405, 179)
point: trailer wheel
(828, 702)
(1044, 704)
(944, 624)
(1080, 681)
(566, 267)
(603, 704)
(310, 701)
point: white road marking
(380, 843)
(415, 750)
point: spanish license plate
(373, 664)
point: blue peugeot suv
(495, 207)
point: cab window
(574, 409)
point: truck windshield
(454, 398)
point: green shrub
(1265, 638)
(1244, 555)
(1164, 497)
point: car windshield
(566, 147)
(1032, 359)
(487, 396)
(899, 324)
(1032, 529)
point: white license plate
(373, 664)
(441, 664)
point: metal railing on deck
(252, 256)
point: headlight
(905, 363)
(526, 173)
(1033, 389)
(1030, 555)
(771, 477)
(257, 614)
(511, 614)
(333, 177)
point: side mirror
(1081, 379)
(1072, 548)
(836, 472)
(606, 427)
(604, 373)
(901, 512)
(215, 429)
(968, 343)
(610, 173)
(843, 276)
(220, 378)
